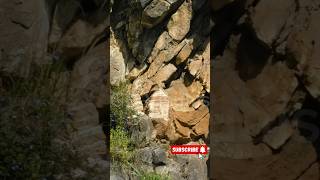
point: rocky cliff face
(266, 101)
(163, 49)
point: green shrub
(121, 104)
(143, 175)
(120, 146)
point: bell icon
(202, 150)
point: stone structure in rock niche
(158, 105)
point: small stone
(136, 71)
(145, 155)
(159, 156)
(202, 128)
(195, 65)
(185, 52)
(184, 131)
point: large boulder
(179, 23)
(268, 25)
(157, 10)
(181, 96)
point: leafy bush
(121, 105)
(120, 146)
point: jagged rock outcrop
(178, 62)
(163, 39)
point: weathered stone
(160, 128)
(193, 117)
(197, 4)
(265, 97)
(182, 130)
(172, 168)
(24, 31)
(78, 37)
(145, 155)
(142, 86)
(144, 3)
(202, 128)
(233, 141)
(162, 53)
(117, 61)
(142, 132)
(159, 156)
(268, 25)
(192, 167)
(204, 73)
(185, 52)
(88, 135)
(179, 23)
(197, 104)
(156, 11)
(271, 92)
(136, 71)
(162, 42)
(277, 136)
(158, 105)
(305, 48)
(195, 65)
(171, 133)
(290, 163)
(164, 73)
(182, 96)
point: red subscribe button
(189, 149)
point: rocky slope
(265, 59)
(163, 49)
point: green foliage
(120, 146)
(33, 127)
(121, 102)
(143, 175)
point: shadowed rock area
(265, 56)
(72, 33)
